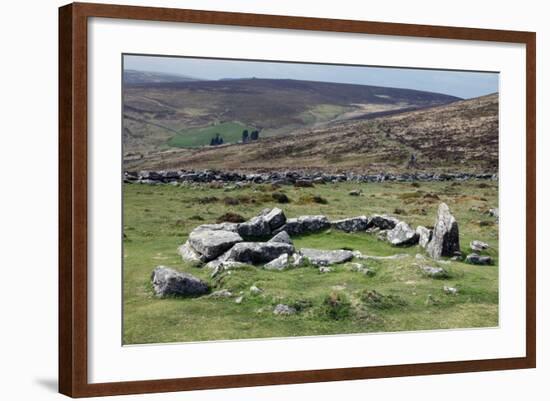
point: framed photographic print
(251, 200)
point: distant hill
(161, 114)
(461, 136)
(133, 77)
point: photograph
(274, 199)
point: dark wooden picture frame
(73, 307)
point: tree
(245, 136)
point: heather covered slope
(159, 115)
(458, 137)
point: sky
(464, 84)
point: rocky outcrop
(402, 235)
(319, 257)
(351, 225)
(445, 239)
(169, 282)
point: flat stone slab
(476, 259)
(351, 225)
(169, 282)
(325, 258)
(212, 243)
(305, 225)
(256, 253)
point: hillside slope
(161, 114)
(461, 136)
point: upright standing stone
(445, 241)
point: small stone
(282, 309)
(355, 192)
(221, 294)
(255, 290)
(282, 237)
(450, 290)
(239, 300)
(476, 259)
(431, 300)
(402, 235)
(324, 269)
(169, 282)
(478, 246)
(435, 272)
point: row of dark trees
(247, 137)
(253, 136)
(217, 140)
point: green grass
(157, 219)
(231, 132)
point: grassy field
(157, 219)
(231, 132)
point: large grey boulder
(275, 217)
(188, 254)
(319, 257)
(281, 237)
(212, 243)
(476, 259)
(255, 227)
(256, 253)
(445, 239)
(424, 236)
(279, 263)
(351, 225)
(382, 222)
(402, 235)
(169, 282)
(305, 225)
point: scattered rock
(431, 300)
(169, 282)
(360, 268)
(434, 272)
(424, 236)
(257, 227)
(325, 258)
(282, 309)
(355, 192)
(475, 259)
(352, 224)
(450, 290)
(188, 254)
(239, 300)
(256, 253)
(212, 243)
(445, 239)
(402, 235)
(478, 246)
(282, 237)
(324, 269)
(279, 263)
